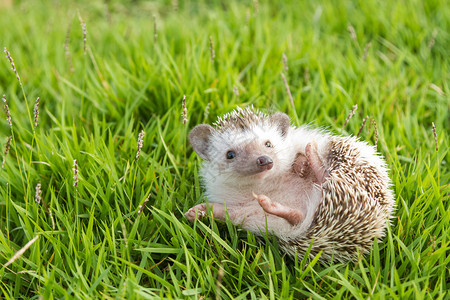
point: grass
(96, 240)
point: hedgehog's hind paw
(293, 216)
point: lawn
(88, 211)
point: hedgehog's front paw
(301, 166)
(198, 211)
(315, 162)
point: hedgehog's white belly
(290, 190)
(294, 193)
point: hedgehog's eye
(231, 154)
(269, 144)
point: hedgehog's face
(256, 152)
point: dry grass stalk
(437, 89)
(83, 27)
(21, 251)
(362, 126)
(13, 66)
(141, 208)
(288, 90)
(51, 218)
(15, 273)
(36, 113)
(8, 114)
(184, 114)
(211, 48)
(375, 285)
(285, 62)
(375, 131)
(435, 137)
(352, 112)
(140, 143)
(8, 143)
(75, 173)
(366, 50)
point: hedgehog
(315, 192)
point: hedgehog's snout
(264, 162)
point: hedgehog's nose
(265, 161)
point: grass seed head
(307, 75)
(285, 62)
(36, 113)
(375, 132)
(362, 126)
(184, 114)
(366, 50)
(211, 48)
(155, 29)
(288, 90)
(75, 173)
(206, 112)
(175, 5)
(66, 48)
(8, 143)
(352, 32)
(8, 115)
(433, 39)
(37, 196)
(255, 6)
(21, 251)
(140, 143)
(236, 91)
(83, 27)
(352, 112)
(247, 16)
(435, 137)
(13, 66)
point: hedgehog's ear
(282, 121)
(199, 139)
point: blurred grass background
(139, 60)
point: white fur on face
(248, 145)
